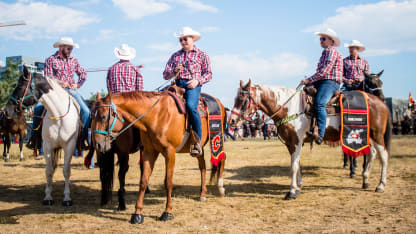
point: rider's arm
(206, 73)
(82, 75)
(170, 66)
(326, 62)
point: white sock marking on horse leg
(294, 170)
(366, 172)
(384, 161)
(220, 185)
(49, 171)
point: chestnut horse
(280, 103)
(162, 129)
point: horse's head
(106, 123)
(22, 96)
(244, 104)
(373, 84)
(42, 86)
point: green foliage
(8, 82)
(93, 97)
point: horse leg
(353, 162)
(68, 151)
(366, 172)
(123, 159)
(299, 177)
(149, 159)
(169, 167)
(345, 161)
(295, 167)
(220, 181)
(21, 147)
(202, 169)
(383, 160)
(49, 171)
(5, 154)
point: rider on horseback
(193, 68)
(354, 67)
(327, 78)
(62, 67)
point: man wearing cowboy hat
(123, 76)
(193, 68)
(62, 67)
(354, 67)
(327, 78)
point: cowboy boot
(196, 148)
(35, 141)
(84, 139)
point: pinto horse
(162, 130)
(60, 131)
(280, 103)
(13, 121)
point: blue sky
(270, 41)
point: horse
(60, 131)
(13, 121)
(281, 103)
(162, 130)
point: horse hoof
(121, 207)
(67, 203)
(47, 202)
(291, 196)
(6, 159)
(365, 186)
(22, 159)
(202, 199)
(379, 190)
(222, 191)
(166, 216)
(352, 176)
(147, 191)
(136, 219)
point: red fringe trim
(220, 157)
(356, 154)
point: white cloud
(84, 3)
(386, 27)
(43, 20)
(281, 66)
(136, 9)
(2, 64)
(209, 29)
(165, 47)
(196, 5)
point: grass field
(256, 180)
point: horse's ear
(380, 73)
(98, 97)
(249, 83)
(241, 84)
(25, 71)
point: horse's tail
(389, 132)
(106, 163)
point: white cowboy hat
(125, 52)
(65, 41)
(332, 34)
(356, 43)
(188, 31)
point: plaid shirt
(124, 77)
(63, 69)
(329, 66)
(196, 65)
(355, 68)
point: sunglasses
(183, 39)
(322, 38)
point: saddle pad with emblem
(215, 128)
(355, 123)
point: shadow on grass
(403, 156)
(252, 173)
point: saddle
(177, 94)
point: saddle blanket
(355, 123)
(215, 128)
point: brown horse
(280, 103)
(162, 130)
(12, 120)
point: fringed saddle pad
(215, 128)
(355, 123)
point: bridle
(112, 110)
(20, 101)
(248, 102)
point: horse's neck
(272, 99)
(56, 102)
(132, 107)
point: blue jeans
(325, 90)
(85, 111)
(192, 100)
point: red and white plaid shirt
(196, 65)
(63, 69)
(329, 66)
(124, 77)
(355, 68)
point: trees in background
(8, 82)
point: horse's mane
(137, 95)
(55, 85)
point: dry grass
(256, 180)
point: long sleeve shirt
(354, 68)
(196, 65)
(124, 77)
(330, 66)
(63, 69)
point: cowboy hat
(332, 34)
(125, 52)
(188, 31)
(65, 41)
(356, 43)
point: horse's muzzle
(103, 146)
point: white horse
(282, 103)
(59, 131)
